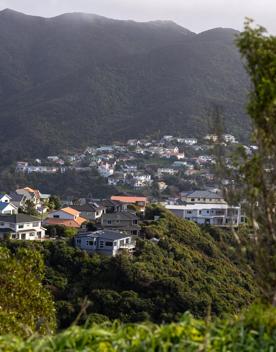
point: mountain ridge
(67, 84)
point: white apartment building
(222, 215)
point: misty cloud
(196, 15)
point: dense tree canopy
(26, 306)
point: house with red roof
(68, 217)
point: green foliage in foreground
(254, 331)
(25, 305)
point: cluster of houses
(14, 223)
(136, 164)
(116, 222)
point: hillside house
(8, 208)
(67, 217)
(21, 227)
(91, 212)
(140, 202)
(123, 221)
(105, 242)
(221, 215)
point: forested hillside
(77, 79)
(188, 269)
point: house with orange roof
(140, 202)
(30, 194)
(68, 217)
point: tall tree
(26, 306)
(259, 170)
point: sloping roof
(18, 218)
(70, 211)
(15, 197)
(4, 194)
(68, 223)
(120, 215)
(34, 191)
(202, 194)
(129, 199)
(4, 205)
(86, 208)
(110, 203)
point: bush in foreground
(254, 331)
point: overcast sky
(196, 15)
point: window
(134, 222)
(109, 222)
(35, 224)
(200, 212)
(127, 240)
(91, 243)
(122, 242)
(101, 244)
(21, 226)
(109, 244)
(78, 241)
(192, 199)
(189, 212)
(56, 216)
(207, 211)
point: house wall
(194, 200)
(26, 231)
(61, 215)
(9, 209)
(100, 245)
(5, 199)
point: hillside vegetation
(187, 270)
(250, 332)
(74, 80)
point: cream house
(21, 227)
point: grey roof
(202, 194)
(16, 197)
(86, 208)
(18, 218)
(110, 203)
(127, 215)
(105, 234)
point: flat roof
(201, 206)
(104, 234)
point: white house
(21, 227)
(106, 242)
(166, 171)
(221, 215)
(229, 138)
(4, 198)
(106, 169)
(8, 208)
